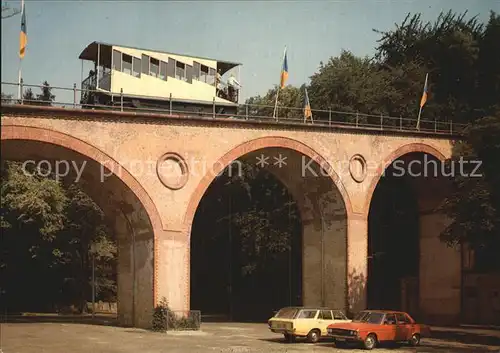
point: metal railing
(94, 99)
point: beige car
(309, 322)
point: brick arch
(401, 151)
(251, 146)
(19, 132)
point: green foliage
(165, 319)
(29, 96)
(264, 227)
(474, 204)
(461, 56)
(51, 231)
(160, 316)
(7, 12)
(7, 98)
(289, 104)
(44, 98)
(28, 198)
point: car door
(403, 327)
(325, 318)
(388, 328)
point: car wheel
(370, 341)
(415, 340)
(313, 336)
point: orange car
(370, 327)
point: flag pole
(418, 118)
(19, 79)
(276, 102)
(279, 86)
(422, 105)
(19, 93)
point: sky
(253, 33)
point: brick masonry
(132, 147)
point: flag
(424, 94)
(284, 71)
(23, 37)
(307, 107)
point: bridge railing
(75, 98)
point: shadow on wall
(356, 293)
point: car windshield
(369, 317)
(286, 313)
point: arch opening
(129, 222)
(270, 236)
(403, 222)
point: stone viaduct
(149, 172)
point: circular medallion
(357, 168)
(172, 170)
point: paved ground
(63, 337)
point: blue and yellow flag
(284, 71)
(307, 107)
(23, 37)
(423, 100)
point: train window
(145, 64)
(136, 67)
(127, 64)
(154, 67)
(204, 73)
(189, 74)
(196, 70)
(117, 60)
(180, 69)
(163, 70)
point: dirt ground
(73, 337)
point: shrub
(165, 319)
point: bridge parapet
(76, 99)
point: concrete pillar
(440, 273)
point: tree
(29, 97)
(7, 12)
(29, 198)
(7, 98)
(51, 231)
(454, 51)
(289, 104)
(32, 215)
(488, 97)
(474, 204)
(349, 85)
(461, 56)
(46, 97)
(85, 235)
